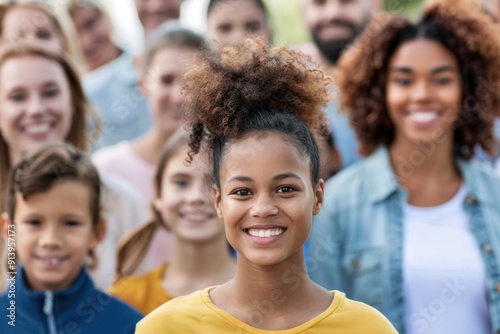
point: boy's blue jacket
(80, 309)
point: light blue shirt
(113, 90)
(343, 134)
(357, 239)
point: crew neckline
(338, 300)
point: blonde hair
(134, 247)
(60, 18)
(78, 135)
(71, 5)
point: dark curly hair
(251, 88)
(461, 28)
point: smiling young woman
(265, 165)
(417, 219)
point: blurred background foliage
(286, 13)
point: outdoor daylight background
(284, 14)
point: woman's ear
(217, 201)
(156, 204)
(319, 196)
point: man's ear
(217, 201)
(302, 10)
(377, 5)
(319, 196)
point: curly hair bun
(224, 90)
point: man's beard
(332, 50)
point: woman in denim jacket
(414, 229)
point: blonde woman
(110, 79)
(43, 20)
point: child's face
(186, 204)
(31, 23)
(162, 85)
(35, 103)
(266, 198)
(230, 22)
(54, 233)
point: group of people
(219, 184)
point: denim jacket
(357, 239)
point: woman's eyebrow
(439, 69)
(444, 68)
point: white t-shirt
(443, 272)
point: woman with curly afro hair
(413, 229)
(255, 110)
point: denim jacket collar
(382, 180)
(380, 175)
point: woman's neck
(273, 298)
(113, 53)
(14, 157)
(427, 171)
(150, 146)
(257, 282)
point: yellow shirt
(144, 292)
(195, 313)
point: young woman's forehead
(267, 148)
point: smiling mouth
(264, 233)
(51, 260)
(198, 217)
(423, 116)
(37, 129)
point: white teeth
(265, 233)
(195, 217)
(423, 116)
(51, 260)
(37, 129)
